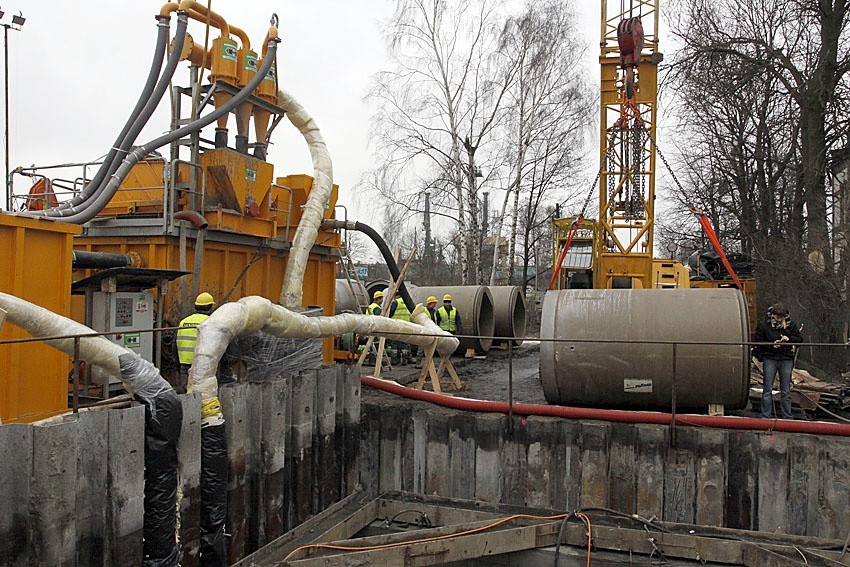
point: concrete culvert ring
(510, 311)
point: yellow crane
(619, 327)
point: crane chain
(667, 165)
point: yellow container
(221, 272)
(224, 57)
(35, 256)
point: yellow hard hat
(431, 299)
(447, 297)
(378, 294)
(204, 299)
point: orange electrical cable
(437, 538)
(589, 535)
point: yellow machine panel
(36, 259)
(228, 270)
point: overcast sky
(76, 69)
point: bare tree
(439, 107)
(775, 74)
(550, 106)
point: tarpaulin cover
(213, 495)
(163, 421)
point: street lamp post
(17, 22)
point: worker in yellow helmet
(448, 317)
(399, 310)
(377, 301)
(431, 305)
(187, 336)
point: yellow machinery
(627, 332)
(36, 259)
(216, 212)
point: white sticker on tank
(637, 385)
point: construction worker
(401, 350)
(187, 336)
(399, 310)
(431, 305)
(377, 301)
(448, 317)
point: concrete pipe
(376, 285)
(351, 298)
(474, 303)
(639, 375)
(510, 312)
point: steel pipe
(510, 311)
(474, 303)
(577, 371)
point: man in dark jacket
(779, 329)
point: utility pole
(427, 223)
(16, 21)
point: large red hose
(720, 422)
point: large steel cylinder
(475, 306)
(637, 375)
(510, 312)
(350, 298)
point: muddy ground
(487, 378)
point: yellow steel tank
(36, 257)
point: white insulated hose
(291, 292)
(253, 313)
(143, 381)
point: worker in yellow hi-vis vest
(187, 336)
(448, 317)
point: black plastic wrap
(163, 422)
(213, 496)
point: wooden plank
(649, 461)
(515, 463)
(254, 485)
(572, 464)
(126, 462)
(419, 417)
(489, 432)
(833, 488)
(408, 446)
(53, 494)
(390, 451)
(326, 485)
(711, 477)
(351, 434)
(327, 524)
(339, 448)
(741, 480)
(437, 454)
(300, 454)
(233, 399)
(273, 453)
(461, 442)
(538, 478)
(773, 483)
(16, 465)
(680, 478)
(92, 487)
(189, 480)
(595, 438)
(621, 469)
(803, 483)
(369, 458)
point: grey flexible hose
(141, 119)
(137, 154)
(161, 43)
